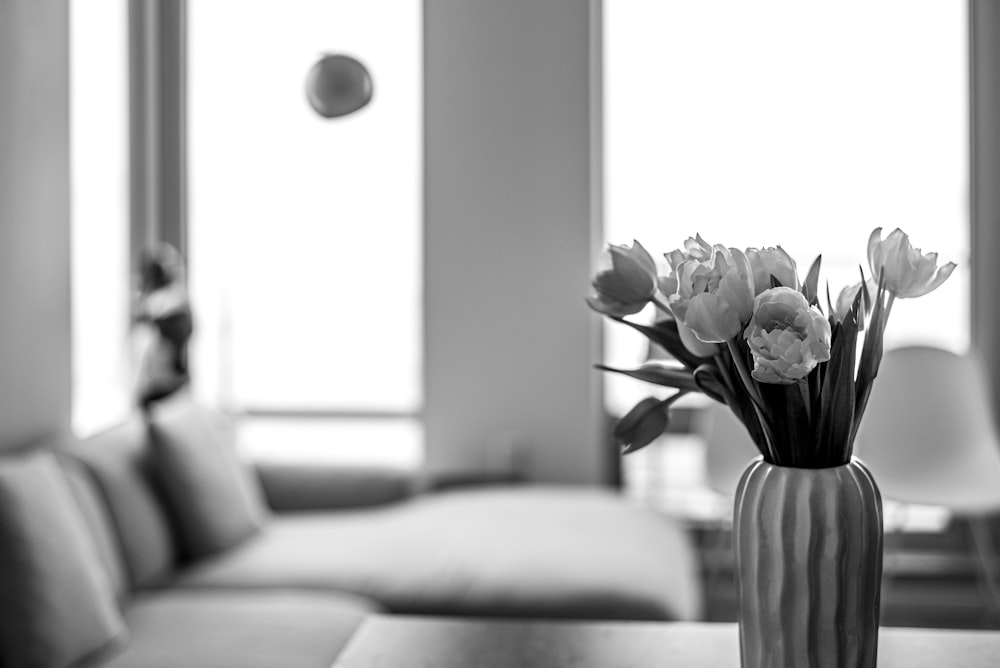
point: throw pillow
(215, 498)
(57, 603)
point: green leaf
(664, 334)
(811, 286)
(834, 432)
(659, 373)
(786, 406)
(871, 354)
(709, 380)
(815, 380)
(740, 403)
(867, 295)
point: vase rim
(760, 459)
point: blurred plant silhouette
(162, 325)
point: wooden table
(386, 641)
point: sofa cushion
(554, 552)
(99, 523)
(121, 464)
(57, 605)
(215, 497)
(294, 486)
(239, 629)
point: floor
(930, 577)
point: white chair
(929, 437)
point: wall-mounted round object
(338, 85)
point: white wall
(34, 221)
(510, 238)
(985, 56)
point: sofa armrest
(300, 486)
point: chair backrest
(928, 433)
(728, 448)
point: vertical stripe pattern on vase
(808, 546)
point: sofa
(153, 545)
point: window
(305, 256)
(804, 124)
(99, 227)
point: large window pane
(99, 229)
(804, 124)
(399, 442)
(305, 232)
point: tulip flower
(627, 285)
(698, 348)
(770, 262)
(726, 313)
(694, 345)
(787, 336)
(713, 297)
(908, 272)
(695, 248)
(846, 299)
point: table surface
(388, 641)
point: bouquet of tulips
(745, 331)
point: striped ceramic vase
(808, 548)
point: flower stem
(741, 368)
(803, 388)
(739, 361)
(659, 303)
(772, 452)
(666, 403)
(723, 366)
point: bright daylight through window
(781, 121)
(305, 231)
(100, 271)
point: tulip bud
(846, 299)
(908, 273)
(770, 262)
(642, 425)
(627, 285)
(787, 336)
(695, 248)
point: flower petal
(711, 318)
(908, 273)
